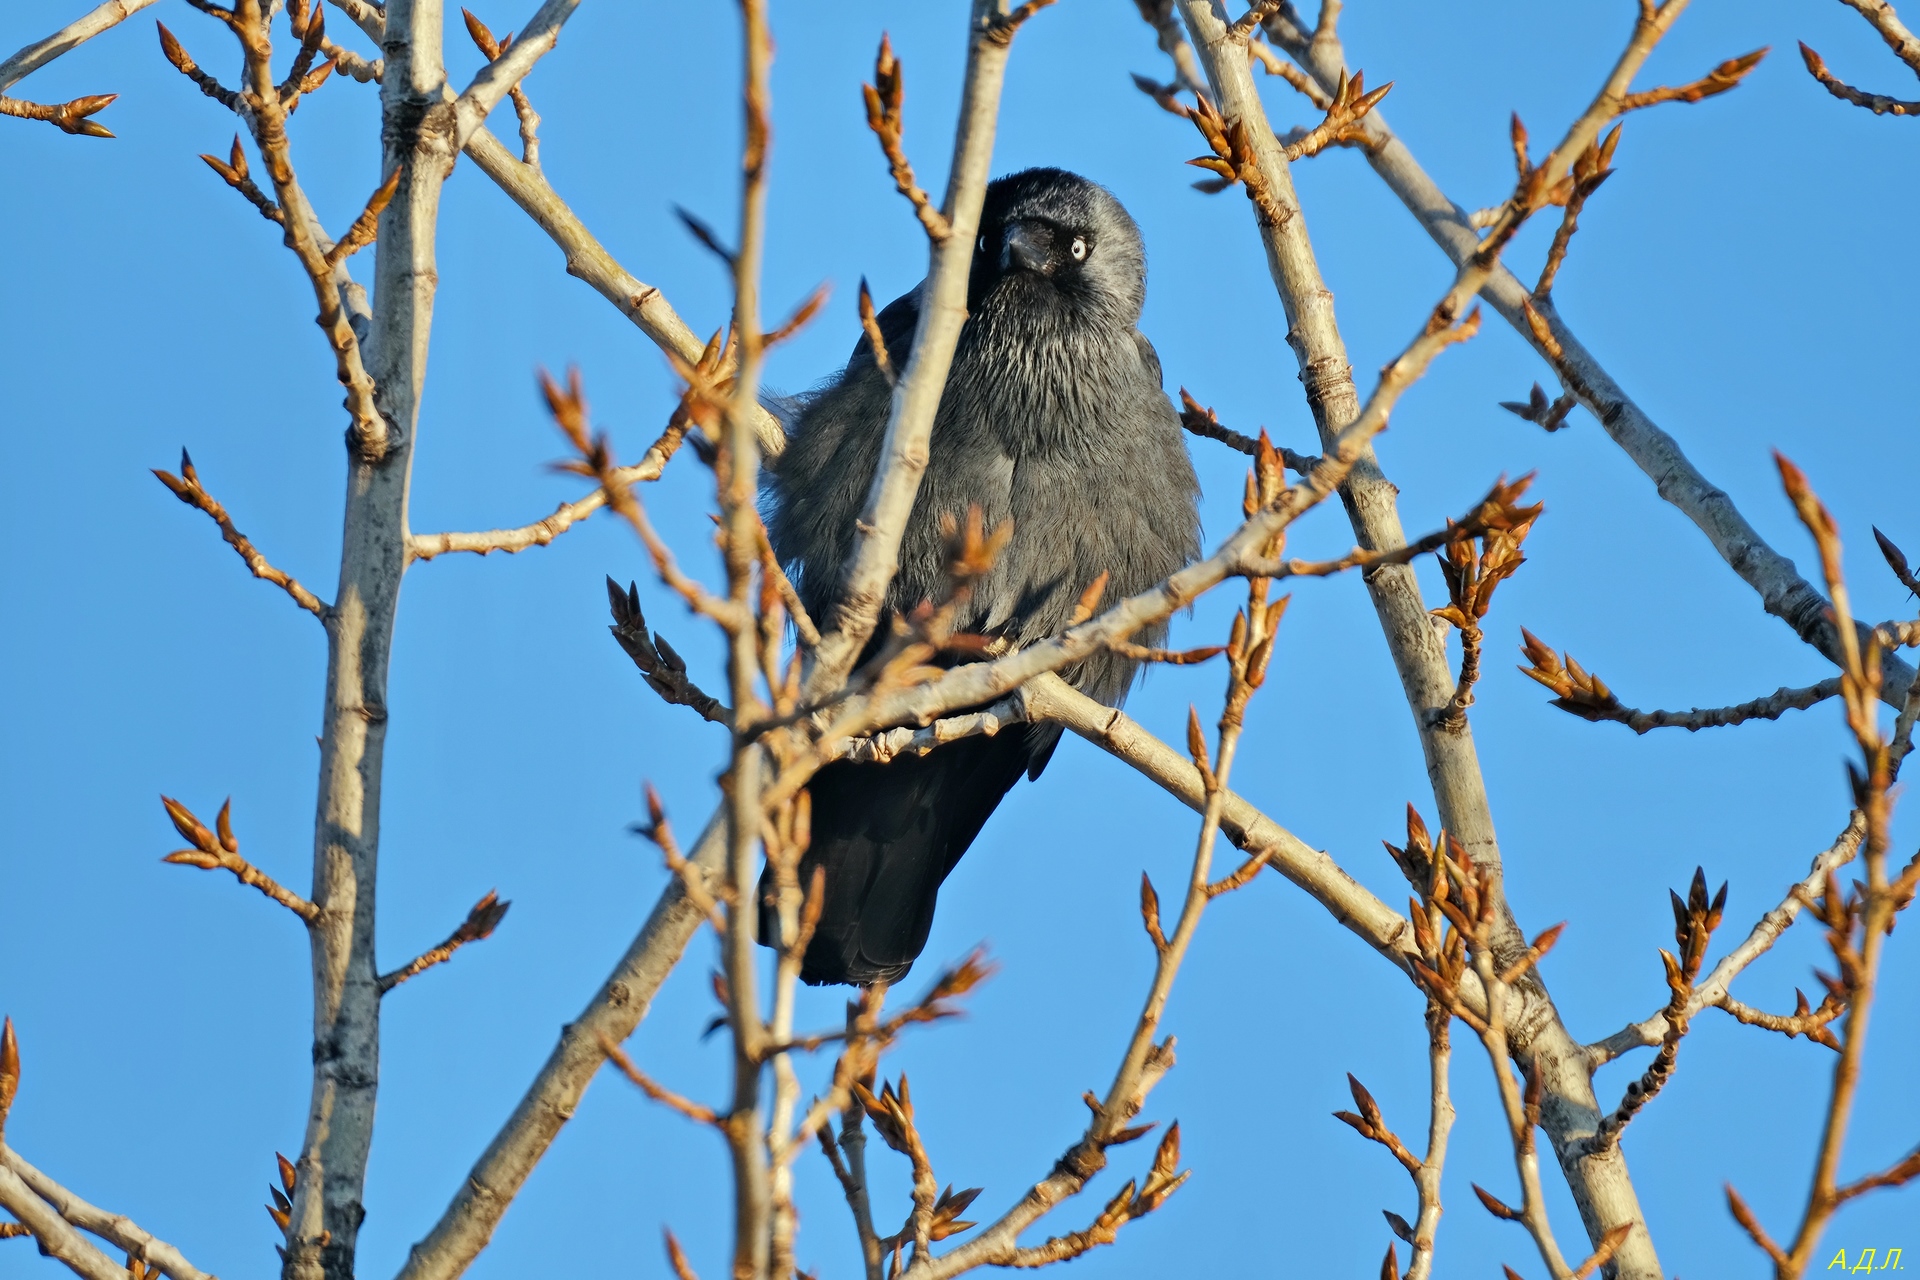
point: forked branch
(122, 1232)
(213, 852)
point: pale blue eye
(1079, 249)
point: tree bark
(1570, 1112)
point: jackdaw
(1054, 417)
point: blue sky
(1745, 275)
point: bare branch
(916, 395)
(78, 32)
(697, 1112)
(186, 487)
(522, 104)
(425, 546)
(1782, 590)
(68, 117)
(1371, 1125)
(364, 228)
(1897, 1175)
(883, 100)
(1350, 105)
(484, 917)
(664, 669)
(117, 1229)
(1202, 421)
(1878, 103)
(183, 62)
(1694, 920)
(1726, 76)
(1766, 931)
(1274, 65)
(1585, 695)
(891, 744)
(1589, 172)
(222, 852)
(1880, 13)
(1744, 1216)
(51, 1232)
(505, 72)
(1803, 1021)
(233, 171)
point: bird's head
(1053, 240)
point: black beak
(1028, 247)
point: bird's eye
(983, 244)
(1079, 249)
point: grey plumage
(1053, 416)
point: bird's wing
(1150, 358)
(897, 321)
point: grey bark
(615, 1010)
(1570, 1112)
(331, 1171)
(1783, 592)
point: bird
(1054, 417)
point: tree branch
(533, 42)
(68, 117)
(1878, 103)
(664, 669)
(51, 1232)
(222, 852)
(117, 1229)
(186, 487)
(549, 1102)
(1600, 1184)
(522, 105)
(697, 1112)
(916, 394)
(76, 33)
(484, 917)
(1766, 931)
(1584, 694)
(1783, 592)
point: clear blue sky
(1749, 276)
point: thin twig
(1584, 694)
(186, 487)
(505, 72)
(222, 852)
(698, 1112)
(942, 311)
(1879, 103)
(1695, 918)
(522, 104)
(484, 917)
(1779, 585)
(1765, 932)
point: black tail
(887, 835)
